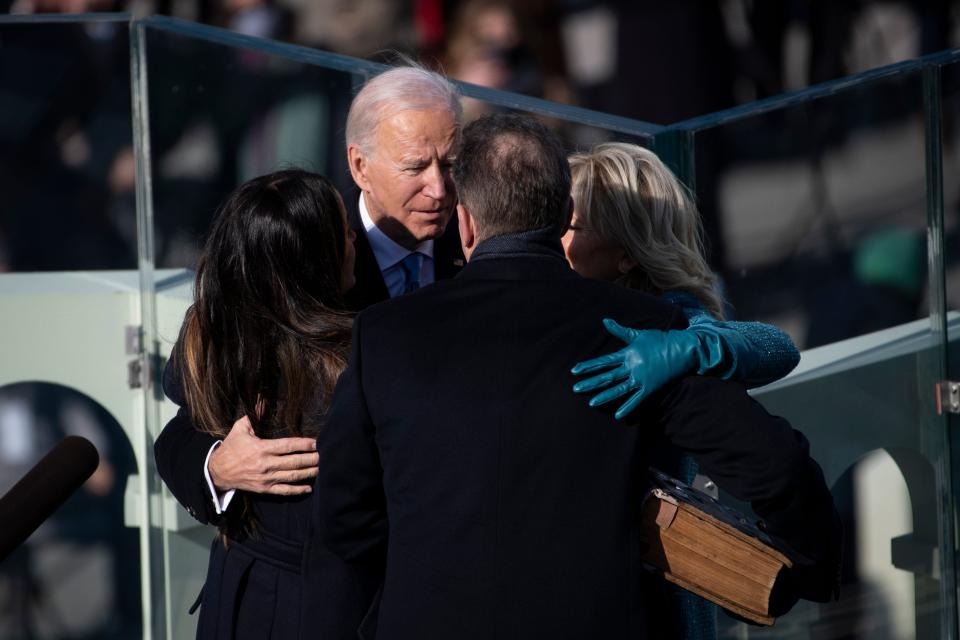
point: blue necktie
(411, 271)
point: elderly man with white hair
(402, 132)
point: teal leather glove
(653, 358)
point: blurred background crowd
(815, 213)
(615, 56)
(65, 123)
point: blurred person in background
(64, 122)
(881, 284)
(502, 45)
(359, 28)
(260, 18)
(497, 44)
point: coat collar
(543, 242)
(529, 255)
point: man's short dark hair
(512, 175)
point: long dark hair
(268, 335)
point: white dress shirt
(220, 500)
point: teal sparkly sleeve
(755, 353)
(750, 352)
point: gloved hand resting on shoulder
(752, 352)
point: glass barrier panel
(815, 212)
(948, 154)
(816, 216)
(69, 312)
(950, 141)
(866, 406)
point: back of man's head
(512, 175)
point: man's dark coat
(460, 472)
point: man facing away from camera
(470, 493)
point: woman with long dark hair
(265, 341)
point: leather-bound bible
(710, 549)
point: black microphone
(43, 489)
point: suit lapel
(370, 287)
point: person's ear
(468, 231)
(359, 164)
(626, 265)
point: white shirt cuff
(220, 500)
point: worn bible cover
(710, 549)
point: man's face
(406, 180)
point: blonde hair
(631, 199)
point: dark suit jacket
(370, 288)
(459, 468)
(181, 450)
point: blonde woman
(635, 223)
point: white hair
(410, 88)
